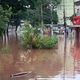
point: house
(69, 10)
(77, 7)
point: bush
(46, 42)
(40, 42)
(27, 35)
(32, 39)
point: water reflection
(76, 52)
(48, 63)
(42, 63)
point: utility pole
(64, 15)
(65, 40)
(73, 6)
(51, 8)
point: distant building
(69, 10)
(77, 7)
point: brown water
(37, 63)
(32, 64)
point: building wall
(77, 7)
(69, 10)
(77, 0)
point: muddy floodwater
(35, 62)
(61, 63)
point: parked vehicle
(58, 30)
(55, 30)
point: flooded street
(41, 63)
(61, 63)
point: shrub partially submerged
(32, 39)
(45, 42)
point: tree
(18, 7)
(19, 10)
(4, 19)
(41, 13)
(47, 17)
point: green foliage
(47, 17)
(49, 42)
(42, 13)
(34, 15)
(32, 38)
(55, 17)
(4, 18)
(43, 2)
(45, 42)
(45, 13)
(28, 35)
